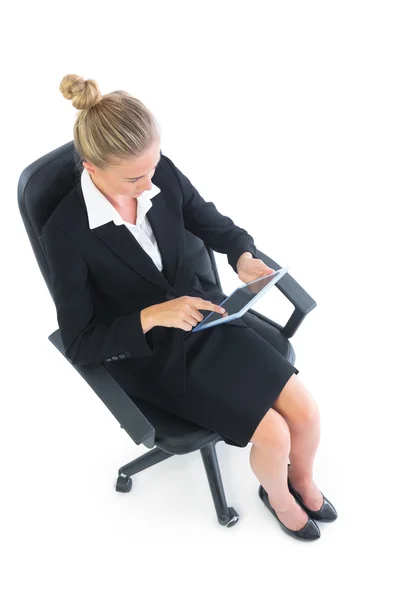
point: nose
(148, 185)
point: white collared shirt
(101, 211)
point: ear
(87, 165)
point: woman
(126, 295)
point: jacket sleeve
(85, 338)
(216, 230)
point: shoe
(327, 513)
(308, 533)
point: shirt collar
(101, 211)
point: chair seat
(173, 434)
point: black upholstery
(41, 186)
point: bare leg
(269, 460)
(300, 470)
(296, 405)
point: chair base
(226, 515)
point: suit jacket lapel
(120, 240)
(164, 227)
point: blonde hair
(108, 128)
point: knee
(273, 432)
(297, 405)
(307, 414)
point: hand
(250, 268)
(182, 312)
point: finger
(208, 305)
(264, 267)
(196, 314)
(190, 321)
(205, 304)
(265, 271)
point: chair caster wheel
(123, 484)
(232, 519)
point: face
(130, 178)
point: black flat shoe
(308, 533)
(327, 513)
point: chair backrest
(45, 182)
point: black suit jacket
(102, 278)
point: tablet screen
(240, 298)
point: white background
(286, 115)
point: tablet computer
(241, 300)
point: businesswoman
(126, 295)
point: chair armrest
(114, 397)
(302, 302)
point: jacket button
(169, 295)
(128, 353)
(114, 357)
(108, 359)
(122, 355)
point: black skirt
(234, 375)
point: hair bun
(84, 93)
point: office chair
(41, 186)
